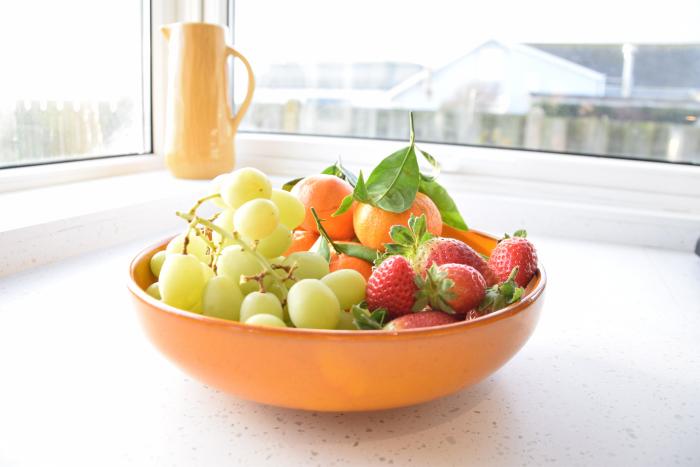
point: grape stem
(259, 278)
(235, 237)
(203, 200)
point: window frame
(632, 176)
(12, 173)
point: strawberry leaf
(406, 240)
(518, 233)
(435, 290)
(501, 295)
(366, 320)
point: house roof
(360, 75)
(655, 65)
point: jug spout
(166, 31)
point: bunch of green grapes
(231, 266)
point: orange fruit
(343, 261)
(372, 224)
(302, 240)
(324, 193)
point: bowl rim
(516, 308)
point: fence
(599, 135)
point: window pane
(597, 77)
(72, 84)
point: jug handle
(236, 120)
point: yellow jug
(199, 126)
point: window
(74, 84)
(603, 78)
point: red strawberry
(516, 251)
(454, 288)
(424, 250)
(440, 250)
(424, 319)
(391, 286)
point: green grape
(234, 263)
(225, 221)
(222, 298)
(292, 211)
(243, 185)
(309, 265)
(345, 321)
(215, 187)
(256, 303)
(312, 304)
(275, 244)
(256, 219)
(198, 308)
(157, 262)
(196, 246)
(154, 291)
(182, 281)
(348, 286)
(266, 320)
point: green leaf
(501, 295)
(520, 233)
(434, 290)
(323, 249)
(445, 204)
(393, 183)
(401, 234)
(340, 171)
(359, 193)
(407, 240)
(348, 176)
(350, 249)
(344, 205)
(364, 320)
(433, 163)
(358, 251)
(290, 184)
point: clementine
(302, 240)
(324, 193)
(343, 261)
(372, 224)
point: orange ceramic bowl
(337, 370)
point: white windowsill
(627, 202)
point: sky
(69, 49)
(432, 32)
(72, 49)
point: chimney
(628, 51)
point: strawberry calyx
(434, 290)
(368, 320)
(522, 233)
(501, 295)
(407, 239)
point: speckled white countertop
(610, 377)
